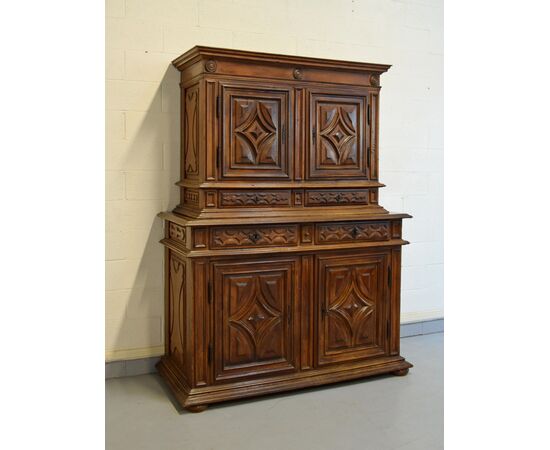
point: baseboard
(132, 367)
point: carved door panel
(254, 315)
(353, 307)
(257, 130)
(338, 135)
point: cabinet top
(198, 53)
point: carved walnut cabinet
(282, 270)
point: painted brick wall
(142, 132)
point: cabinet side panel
(395, 301)
(176, 327)
(200, 323)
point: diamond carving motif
(350, 308)
(257, 134)
(339, 136)
(257, 318)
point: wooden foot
(401, 372)
(196, 408)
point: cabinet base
(197, 399)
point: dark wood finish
(282, 270)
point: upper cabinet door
(257, 130)
(338, 135)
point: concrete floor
(381, 413)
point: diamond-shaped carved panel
(350, 308)
(255, 124)
(255, 318)
(337, 147)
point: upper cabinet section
(338, 142)
(256, 124)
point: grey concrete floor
(381, 413)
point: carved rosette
(210, 66)
(374, 80)
(298, 74)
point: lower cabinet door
(352, 307)
(255, 309)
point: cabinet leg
(196, 408)
(401, 372)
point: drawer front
(326, 233)
(240, 199)
(260, 236)
(332, 197)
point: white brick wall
(142, 130)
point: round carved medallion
(210, 65)
(298, 74)
(373, 80)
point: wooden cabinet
(282, 270)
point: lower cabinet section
(250, 325)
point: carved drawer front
(254, 236)
(332, 197)
(352, 231)
(240, 199)
(256, 131)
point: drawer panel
(341, 197)
(326, 233)
(254, 236)
(240, 199)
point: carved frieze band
(176, 232)
(265, 198)
(353, 231)
(254, 236)
(320, 198)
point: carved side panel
(191, 133)
(264, 236)
(254, 323)
(241, 199)
(255, 139)
(177, 232)
(352, 231)
(176, 308)
(337, 146)
(352, 308)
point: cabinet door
(256, 128)
(353, 307)
(254, 317)
(338, 135)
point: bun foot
(401, 372)
(196, 408)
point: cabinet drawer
(254, 236)
(342, 197)
(326, 233)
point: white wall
(142, 131)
